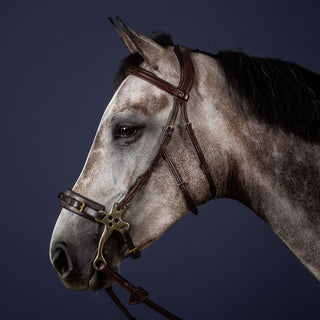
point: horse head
(131, 130)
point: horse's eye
(126, 131)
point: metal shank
(111, 221)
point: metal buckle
(134, 250)
(83, 204)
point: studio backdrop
(58, 60)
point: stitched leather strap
(134, 252)
(158, 82)
(117, 301)
(182, 185)
(137, 295)
(203, 163)
(186, 66)
(80, 205)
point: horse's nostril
(60, 262)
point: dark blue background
(57, 60)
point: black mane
(276, 92)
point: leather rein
(112, 221)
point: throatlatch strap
(182, 185)
(186, 67)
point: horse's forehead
(138, 95)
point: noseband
(112, 221)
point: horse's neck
(277, 176)
(273, 173)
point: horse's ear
(151, 51)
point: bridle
(112, 221)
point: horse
(255, 133)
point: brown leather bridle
(112, 221)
